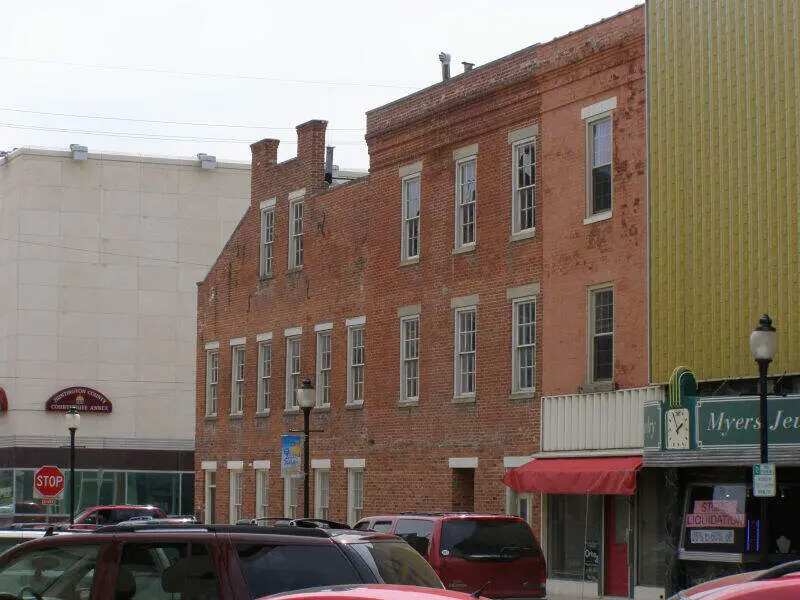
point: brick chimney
(311, 151)
(264, 153)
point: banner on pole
(291, 452)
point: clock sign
(678, 417)
(678, 429)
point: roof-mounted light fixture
(207, 161)
(78, 152)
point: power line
(132, 120)
(148, 136)
(102, 252)
(213, 75)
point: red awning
(612, 475)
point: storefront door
(616, 537)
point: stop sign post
(48, 483)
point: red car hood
(700, 590)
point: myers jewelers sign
(735, 421)
(83, 399)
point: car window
(270, 569)
(55, 573)
(382, 526)
(416, 532)
(189, 575)
(361, 525)
(488, 538)
(394, 562)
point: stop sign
(48, 482)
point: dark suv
(204, 562)
(497, 555)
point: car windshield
(395, 562)
(63, 572)
(488, 538)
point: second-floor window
(524, 216)
(237, 379)
(409, 360)
(267, 239)
(602, 331)
(600, 149)
(264, 376)
(411, 193)
(355, 365)
(323, 368)
(524, 344)
(465, 201)
(296, 233)
(212, 381)
(465, 343)
(292, 370)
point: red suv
(498, 556)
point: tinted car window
(54, 573)
(382, 526)
(488, 538)
(397, 563)
(269, 569)
(416, 532)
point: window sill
(292, 411)
(464, 249)
(464, 399)
(354, 405)
(212, 417)
(236, 416)
(407, 262)
(265, 277)
(262, 413)
(597, 386)
(603, 216)
(522, 395)
(294, 270)
(522, 235)
(321, 409)
(408, 403)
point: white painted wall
(98, 265)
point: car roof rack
(295, 522)
(132, 527)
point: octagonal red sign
(48, 482)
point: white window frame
(406, 254)
(235, 495)
(267, 241)
(353, 368)
(262, 493)
(237, 378)
(516, 205)
(212, 381)
(406, 359)
(324, 365)
(591, 124)
(291, 497)
(461, 186)
(264, 376)
(355, 494)
(514, 500)
(594, 292)
(516, 347)
(296, 233)
(291, 398)
(458, 391)
(210, 504)
(322, 493)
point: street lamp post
(764, 346)
(306, 399)
(73, 421)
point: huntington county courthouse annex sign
(83, 399)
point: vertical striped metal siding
(724, 127)
(599, 421)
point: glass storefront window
(574, 525)
(652, 542)
(159, 489)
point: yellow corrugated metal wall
(724, 135)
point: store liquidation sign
(736, 421)
(83, 399)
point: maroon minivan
(499, 556)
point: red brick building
(437, 297)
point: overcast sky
(178, 77)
